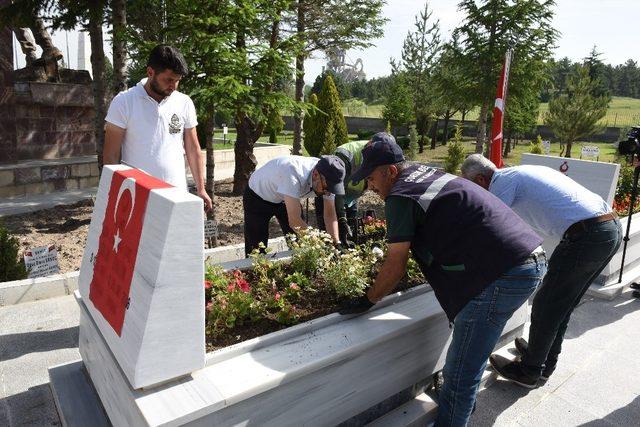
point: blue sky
(611, 25)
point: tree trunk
(210, 181)
(434, 134)
(507, 145)
(445, 133)
(119, 8)
(245, 159)
(298, 115)
(482, 128)
(464, 114)
(97, 67)
(567, 153)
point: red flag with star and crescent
(118, 244)
(498, 113)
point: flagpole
(498, 112)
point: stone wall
(46, 121)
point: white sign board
(546, 147)
(599, 177)
(142, 275)
(590, 151)
(210, 229)
(42, 261)
(225, 130)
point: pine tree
(575, 114)
(331, 126)
(398, 105)
(312, 143)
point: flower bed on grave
(622, 198)
(272, 295)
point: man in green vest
(347, 204)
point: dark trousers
(343, 210)
(575, 263)
(257, 214)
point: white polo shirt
(285, 176)
(154, 137)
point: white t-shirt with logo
(154, 137)
(284, 176)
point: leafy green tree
(321, 25)
(331, 126)
(536, 146)
(398, 106)
(575, 114)
(412, 150)
(488, 29)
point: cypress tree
(312, 143)
(331, 126)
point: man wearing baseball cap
(480, 258)
(277, 188)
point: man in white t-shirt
(277, 188)
(151, 126)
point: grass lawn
(607, 152)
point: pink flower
(294, 286)
(209, 306)
(243, 285)
(277, 297)
(207, 284)
(231, 287)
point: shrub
(365, 134)
(11, 264)
(275, 124)
(403, 142)
(347, 275)
(331, 126)
(455, 152)
(536, 146)
(412, 148)
(312, 142)
(310, 248)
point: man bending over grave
(480, 258)
(276, 189)
(554, 205)
(151, 126)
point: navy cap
(332, 169)
(381, 150)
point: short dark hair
(164, 57)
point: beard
(157, 89)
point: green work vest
(351, 154)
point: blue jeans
(575, 263)
(476, 331)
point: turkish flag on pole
(498, 113)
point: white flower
(377, 252)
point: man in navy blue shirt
(554, 205)
(480, 258)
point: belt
(581, 226)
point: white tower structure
(84, 52)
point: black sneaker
(512, 371)
(635, 294)
(522, 346)
(634, 285)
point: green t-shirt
(405, 218)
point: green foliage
(310, 249)
(347, 275)
(338, 81)
(11, 264)
(455, 152)
(275, 124)
(365, 134)
(398, 106)
(312, 137)
(575, 114)
(412, 150)
(536, 146)
(331, 126)
(387, 129)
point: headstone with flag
(498, 113)
(142, 275)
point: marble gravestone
(141, 277)
(599, 177)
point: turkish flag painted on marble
(118, 245)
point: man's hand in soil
(356, 305)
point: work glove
(356, 305)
